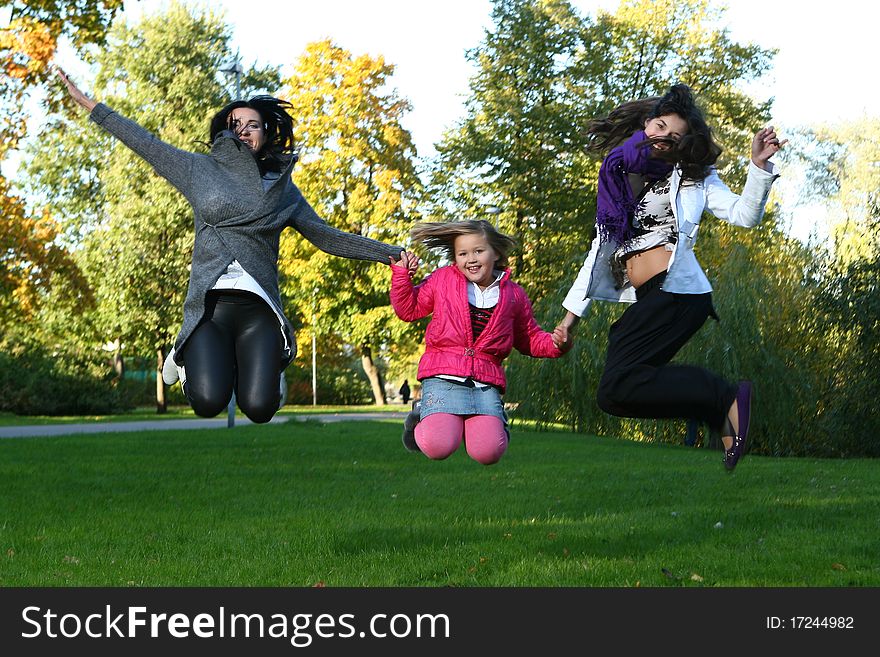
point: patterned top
(654, 225)
(479, 318)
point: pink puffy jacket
(449, 342)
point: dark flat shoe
(409, 427)
(737, 451)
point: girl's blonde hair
(441, 235)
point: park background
(409, 111)
(96, 247)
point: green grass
(178, 413)
(345, 505)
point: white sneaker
(283, 392)
(171, 371)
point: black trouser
(638, 382)
(236, 345)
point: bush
(35, 383)
(336, 385)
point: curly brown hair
(696, 152)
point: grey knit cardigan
(235, 219)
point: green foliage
(343, 383)
(520, 147)
(848, 319)
(28, 44)
(542, 73)
(801, 323)
(84, 23)
(62, 383)
(648, 45)
(589, 66)
(770, 332)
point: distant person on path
(654, 185)
(404, 391)
(478, 315)
(235, 335)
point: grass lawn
(344, 504)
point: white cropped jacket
(684, 274)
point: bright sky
(820, 74)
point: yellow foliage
(26, 47)
(29, 255)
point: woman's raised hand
(765, 145)
(75, 92)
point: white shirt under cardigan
(236, 277)
(684, 274)
(487, 298)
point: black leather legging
(236, 345)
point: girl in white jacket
(654, 185)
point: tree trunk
(373, 374)
(161, 402)
(119, 362)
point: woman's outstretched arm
(173, 164)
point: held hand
(765, 145)
(75, 92)
(407, 260)
(413, 265)
(562, 339)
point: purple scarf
(615, 203)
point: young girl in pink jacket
(478, 315)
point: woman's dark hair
(696, 152)
(278, 149)
(441, 236)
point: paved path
(31, 431)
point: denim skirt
(460, 398)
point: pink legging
(440, 434)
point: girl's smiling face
(475, 258)
(670, 126)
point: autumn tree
(28, 44)
(32, 265)
(31, 258)
(357, 171)
(520, 147)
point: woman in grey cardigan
(234, 334)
